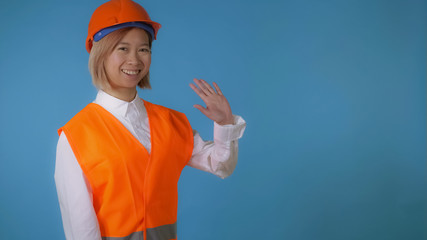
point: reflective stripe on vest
(132, 189)
(164, 232)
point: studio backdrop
(333, 93)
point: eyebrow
(125, 43)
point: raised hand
(217, 107)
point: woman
(119, 159)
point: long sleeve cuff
(229, 132)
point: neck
(124, 94)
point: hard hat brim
(104, 32)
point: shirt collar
(117, 106)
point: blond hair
(99, 53)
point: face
(130, 61)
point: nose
(133, 58)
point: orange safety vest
(135, 193)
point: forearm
(220, 156)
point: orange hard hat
(117, 12)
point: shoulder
(162, 109)
(167, 115)
(84, 115)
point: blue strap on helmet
(104, 32)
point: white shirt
(74, 191)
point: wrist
(227, 121)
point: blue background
(333, 92)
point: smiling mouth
(131, 72)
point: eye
(144, 50)
(122, 49)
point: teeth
(130, 72)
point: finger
(206, 84)
(201, 85)
(217, 88)
(199, 92)
(201, 109)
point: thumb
(201, 109)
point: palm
(217, 107)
